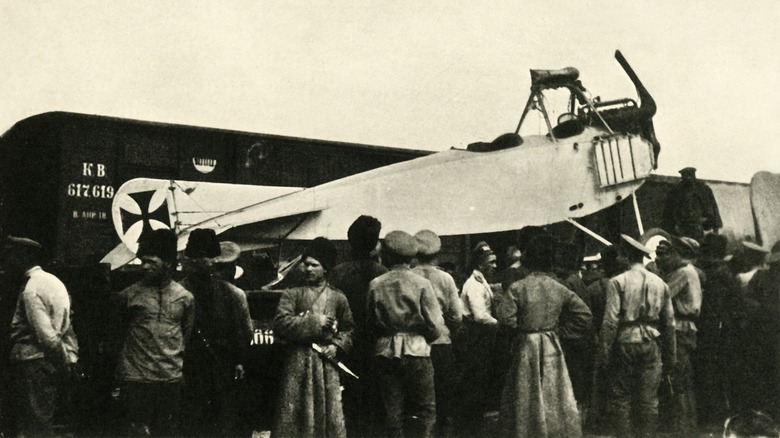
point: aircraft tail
(146, 203)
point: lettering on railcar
(85, 190)
(93, 215)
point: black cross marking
(143, 200)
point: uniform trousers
(446, 380)
(35, 396)
(635, 373)
(683, 412)
(407, 382)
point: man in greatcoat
(316, 322)
(537, 398)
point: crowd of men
(678, 338)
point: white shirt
(477, 299)
(41, 326)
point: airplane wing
(454, 192)
(765, 202)
(146, 203)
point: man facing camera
(158, 316)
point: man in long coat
(315, 314)
(538, 400)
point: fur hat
(401, 243)
(160, 243)
(525, 234)
(428, 243)
(567, 256)
(322, 250)
(202, 243)
(363, 234)
(610, 261)
(540, 252)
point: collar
(30, 271)
(479, 276)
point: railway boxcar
(58, 177)
(60, 171)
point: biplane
(595, 155)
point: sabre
(338, 363)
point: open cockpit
(579, 111)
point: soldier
(577, 347)
(719, 308)
(43, 343)
(217, 350)
(611, 264)
(477, 348)
(352, 278)
(537, 398)
(762, 336)
(315, 315)
(691, 208)
(404, 317)
(685, 288)
(638, 312)
(446, 379)
(157, 314)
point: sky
(412, 74)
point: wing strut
(636, 213)
(588, 231)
